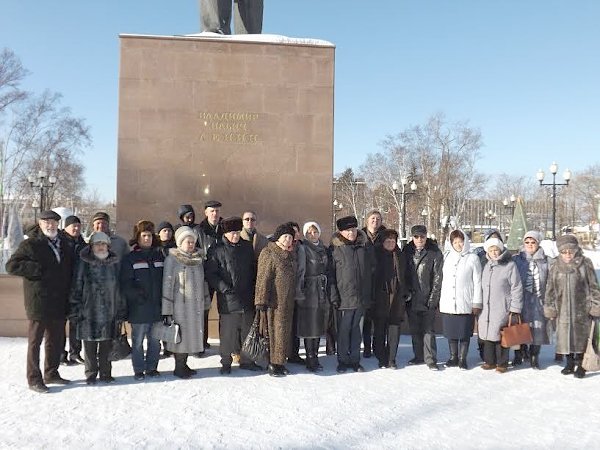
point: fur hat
(418, 230)
(231, 224)
(490, 232)
(99, 237)
(49, 215)
(100, 215)
(184, 209)
(138, 228)
(71, 220)
(163, 225)
(212, 204)
(182, 233)
(389, 233)
(282, 229)
(345, 223)
(533, 235)
(493, 242)
(307, 225)
(567, 242)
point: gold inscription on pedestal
(229, 127)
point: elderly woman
(313, 304)
(389, 299)
(502, 294)
(533, 266)
(461, 288)
(96, 305)
(184, 298)
(274, 295)
(572, 296)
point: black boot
(462, 355)
(570, 366)
(311, 348)
(180, 366)
(579, 371)
(534, 357)
(453, 361)
(518, 359)
(525, 351)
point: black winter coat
(389, 286)
(46, 282)
(208, 235)
(96, 302)
(75, 245)
(423, 275)
(231, 270)
(141, 284)
(313, 304)
(351, 272)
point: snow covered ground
(411, 407)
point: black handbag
(256, 344)
(120, 345)
(167, 333)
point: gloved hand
(336, 305)
(167, 320)
(476, 311)
(261, 307)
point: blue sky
(524, 72)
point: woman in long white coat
(461, 288)
(184, 298)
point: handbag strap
(510, 315)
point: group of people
(353, 290)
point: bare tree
(351, 192)
(12, 73)
(585, 189)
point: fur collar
(195, 259)
(338, 240)
(88, 256)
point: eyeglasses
(419, 237)
(530, 242)
(249, 219)
(567, 252)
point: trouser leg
(367, 334)
(430, 350)
(248, 16)
(355, 337)
(379, 340)
(415, 322)
(216, 16)
(501, 355)
(74, 343)
(229, 325)
(152, 350)
(104, 364)
(331, 333)
(35, 335)
(463, 350)
(53, 347)
(138, 359)
(344, 335)
(91, 358)
(489, 352)
(393, 341)
(453, 347)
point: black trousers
(495, 354)
(386, 338)
(349, 336)
(423, 335)
(96, 358)
(367, 332)
(216, 16)
(233, 329)
(331, 332)
(52, 332)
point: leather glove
(167, 320)
(261, 307)
(476, 311)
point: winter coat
(389, 290)
(166, 246)
(75, 245)
(46, 282)
(208, 235)
(313, 304)
(533, 305)
(96, 303)
(423, 275)
(461, 283)
(376, 238)
(258, 241)
(572, 296)
(231, 271)
(119, 246)
(351, 272)
(141, 284)
(275, 289)
(184, 298)
(502, 294)
(300, 255)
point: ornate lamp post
(510, 205)
(424, 215)
(35, 204)
(403, 193)
(43, 182)
(490, 215)
(336, 208)
(566, 177)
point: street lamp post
(566, 177)
(403, 193)
(336, 207)
(510, 204)
(424, 215)
(43, 182)
(35, 204)
(490, 215)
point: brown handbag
(516, 334)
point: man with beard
(46, 266)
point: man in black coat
(231, 271)
(46, 265)
(350, 288)
(423, 261)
